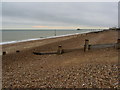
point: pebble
(84, 76)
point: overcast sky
(59, 15)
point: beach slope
(96, 68)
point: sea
(14, 36)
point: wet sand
(96, 68)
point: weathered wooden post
(86, 46)
(4, 53)
(60, 50)
(17, 51)
(118, 44)
(118, 41)
(89, 47)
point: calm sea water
(16, 35)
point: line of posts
(87, 47)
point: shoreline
(32, 39)
(13, 46)
(26, 45)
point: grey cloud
(60, 14)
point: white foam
(11, 42)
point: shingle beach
(96, 68)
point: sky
(59, 15)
